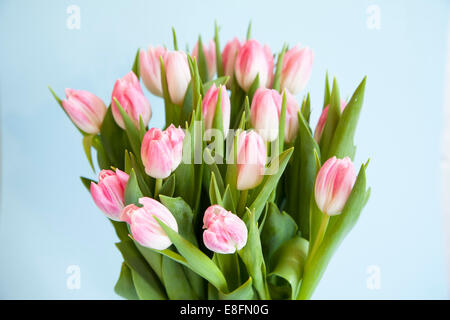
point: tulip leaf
(87, 145)
(333, 116)
(249, 30)
(278, 228)
(229, 265)
(121, 230)
(175, 281)
(262, 193)
(145, 280)
(196, 260)
(244, 292)
(214, 193)
(290, 261)
(221, 81)
(153, 258)
(124, 286)
(227, 201)
(213, 168)
(201, 59)
(113, 139)
(279, 67)
(146, 183)
(218, 125)
(87, 183)
(231, 175)
(168, 187)
(131, 130)
(172, 111)
(282, 125)
(135, 67)
(236, 100)
(342, 143)
(252, 256)
(327, 94)
(219, 64)
(338, 228)
(175, 42)
(306, 108)
(132, 190)
(255, 85)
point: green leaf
(219, 63)
(131, 130)
(168, 187)
(132, 190)
(87, 183)
(282, 125)
(249, 30)
(342, 143)
(175, 281)
(113, 140)
(228, 202)
(135, 67)
(196, 260)
(326, 99)
(269, 183)
(201, 59)
(338, 228)
(279, 67)
(175, 43)
(153, 258)
(213, 168)
(121, 229)
(333, 116)
(244, 292)
(214, 193)
(291, 258)
(144, 289)
(221, 81)
(124, 286)
(278, 228)
(255, 85)
(306, 108)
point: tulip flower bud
(225, 232)
(297, 66)
(264, 113)
(229, 55)
(85, 109)
(291, 122)
(334, 184)
(129, 93)
(323, 119)
(161, 151)
(178, 75)
(209, 107)
(143, 225)
(150, 68)
(210, 55)
(108, 194)
(251, 160)
(254, 59)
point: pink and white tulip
(297, 67)
(323, 119)
(150, 68)
(162, 151)
(253, 59)
(178, 75)
(210, 55)
(143, 225)
(225, 232)
(334, 183)
(209, 107)
(128, 92)
(265, 113)
(291, 122)
(85, 109)
(251, 160)
(108, 194)
(229, 55)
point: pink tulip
(229, 55)
(128, 92)
(162, 151)
(108, 194)
(209, 107)
(323, 119)
(297, 66)
(254, 59)
(225, 232)
(210, 55)
(150, 68)
(265, 113)
(85, 109)
(143, 225)
(178, 75)
(291, 122)
(334, 184)
(251, 160)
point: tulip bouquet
(237, 198)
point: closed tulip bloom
(209, 107)
(254, 59)
(85, 109)
(323, 119)
(177, 74)
(291, 122)
(264, 113)
(128, 92)
(210, 55)
(229, 55)
(297, 66)
(251, 160)
(143, 225)
(108, 194)
(225, 232)
(150, 68)
(334, 184)
(161, 151)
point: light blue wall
(48, 220)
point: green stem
(320, 234)
(158, 186)
(242, 201)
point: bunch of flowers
(237, 198)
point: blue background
(48, 220)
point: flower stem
(320, 234)
(158, 186)
(242, 201)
